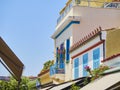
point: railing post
(88, 3)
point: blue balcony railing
(57, 69)
(67, 9)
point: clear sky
(26, 26)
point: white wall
(115, 62)
(64, 36)
(67, 34)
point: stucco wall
(67, 34)
(113, 42)
(45, 78)
(92, 18)
(64, 36)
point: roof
(43, 72)
(111, 57)
(85, 39)
(104, 82)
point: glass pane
(76, 62)
(85, 58)
(96, 58)
(76, 73)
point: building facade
(93, 49)
(77, 42)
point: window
(76, 68)
(96, 58)
(85, 63)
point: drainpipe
(103, 45)
(88, 3)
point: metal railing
(112, 5)
(57, 69)
(86, 3)
(67, 9)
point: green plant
(86, 81)
(74, 87)
(25, 84)
(67, 61)
(47, 65)
(98, 72)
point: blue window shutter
(67, 49)
(76, 68)
(96, 58)
(61, 64)
(57, 55)
(85, 63)
(61, 53)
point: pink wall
(92, 18)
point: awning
(10, 60)
(67, 85)
(59, 87)
(47, 88)
(104, 82)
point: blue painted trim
(72, 22)
(67, 49)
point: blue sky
(26, 26)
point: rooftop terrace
(87, 3)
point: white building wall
(115, 62)
(64, 36)
(67, 34)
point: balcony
(86, 3)
(57, 72)
(63, 14)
